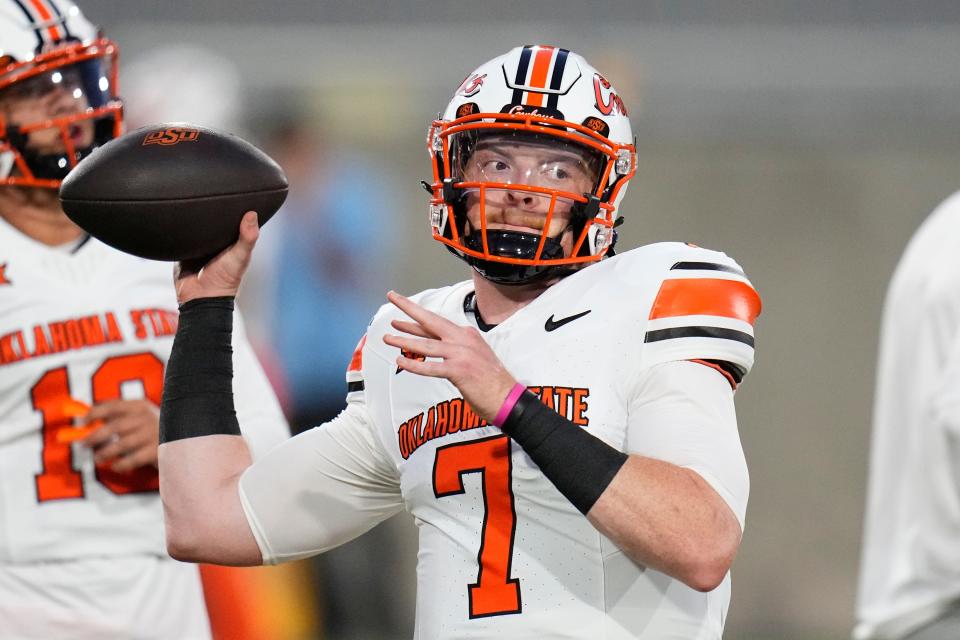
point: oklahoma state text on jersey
(509, 554)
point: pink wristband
(507, 405)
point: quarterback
(561, 425)
(85, 332)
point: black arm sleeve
(198, 385)
(579, 464)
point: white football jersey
(77, 329)
(910, 564)
(502, 552)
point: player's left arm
(661, 514)
(679, 500)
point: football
(172, 191)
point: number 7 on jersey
(495, 592)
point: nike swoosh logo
(552, 324)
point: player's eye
(495, 166)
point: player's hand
(465, 359)
(220, 276)
(129, 435)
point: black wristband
(579, 464)
(198, 384)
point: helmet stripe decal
(521, 74)
(30, 21)
(538, 77)
(53, 30)
(557, 78)
(60, 19)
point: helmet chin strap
(514, 244)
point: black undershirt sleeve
(198, 384)
(579, 464)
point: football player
(85, 332)
(910, 564)
(561, 425)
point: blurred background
(806, 138)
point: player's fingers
(99, 436)
(411, 327)
(105, 411)
(432, 368)
(431, 322)
(113, 448)
(120, 446)
(421, 346)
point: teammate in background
(561, 425)
(85, 332)
(910, 565)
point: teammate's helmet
(532, 97)
(58, 91)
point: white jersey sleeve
(261, 420)
(683, 413)
(321, 488)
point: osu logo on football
(170, 136)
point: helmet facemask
(54, 110)
(522, 199)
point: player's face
(49, 96)
(509, 161)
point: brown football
(172, 191)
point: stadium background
(806, 138)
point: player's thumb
(249, 229)
(249, 232)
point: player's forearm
(202, 453)
(204, 519)
(668, 518)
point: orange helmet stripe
(706, 297)
(44, 12)
(538, 77)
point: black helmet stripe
(521, 78)
(557, 78)
(61, 20)
(31, 20)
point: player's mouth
(75, 132)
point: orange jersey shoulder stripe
(706, 297)
(356, 362)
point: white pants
(127, 597)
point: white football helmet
(532, 98)
(58, 91)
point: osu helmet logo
(471, 85)
(172, 135)
(607, 101)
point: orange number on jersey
(51, 397)
(494, 593)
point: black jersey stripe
(557, 78)
(521, 78)
(33, 21)
(355, 386)
(706, 266)
(698, 332)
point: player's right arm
(202, 454)
(309, 494)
